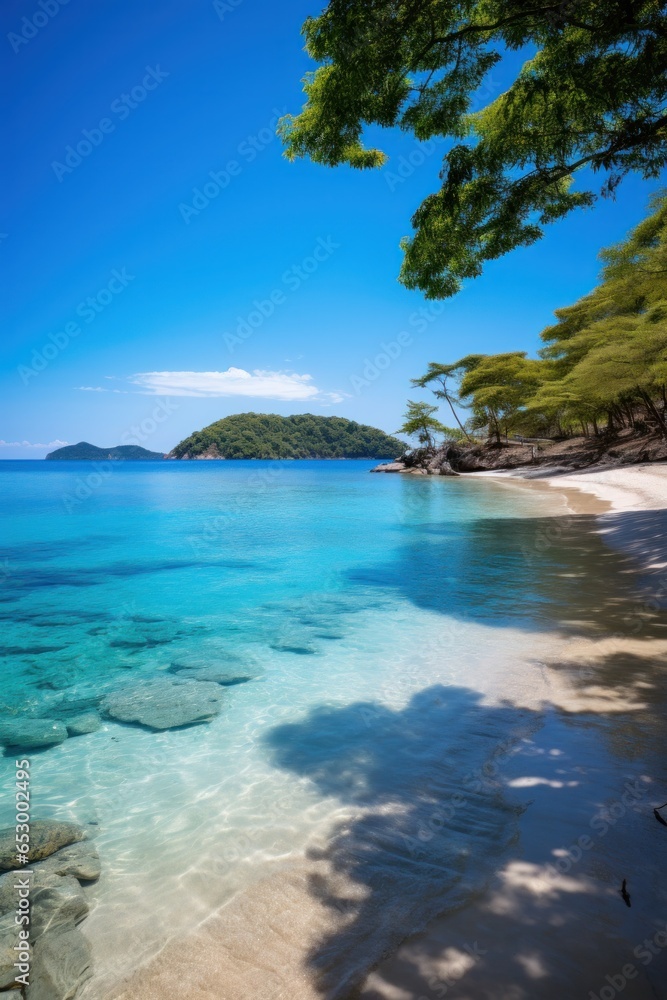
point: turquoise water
(119, 568)
(388, 624)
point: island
(91, 453)
(303, 435)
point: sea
(391, 636)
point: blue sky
(138, 311)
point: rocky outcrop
(46, 837)
(421, 462)
(60, 955)
(165, 703)
(537, 457)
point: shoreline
(628, 503)
(521, 897)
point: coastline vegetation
(603, 367)
(303, 435)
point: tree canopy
(419, 422)
(592, 92)
(604, 363)
(267, 435)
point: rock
(32, 734)
(299, 649)
(216, 675)
(61, 962)
(165, 704)
(69, 708)
(46, 837)
(389, 467)
(225, 672)
(54, 899)
(439, 466)
(8, 939)
(79, 725)
(78, 860)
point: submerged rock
(288, 647)
(46, 837)
(225, 672)
(80, 725)
(61, 962)
(8, 940)
(61, 955)
(55, 900)
(32, 734)
(165, 704)
(79, 860)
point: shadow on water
(432, 821)
(548, 572)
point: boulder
(32, 734)
(439, 466)
(79, 860)
(61, 962)
(8, 940)
(164, 703)
(80, 725)
(46, 837)
(55, 900)
(389, 467)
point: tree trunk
(653, 410)
(455, 414)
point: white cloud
(234, 382)
(27, 444)
(98, 388)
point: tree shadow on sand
(431, 822)
(431, 794)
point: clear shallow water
(383, 616)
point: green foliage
(419, 422)
(91, 453)
(592, 92)
(605, 360)
(260, 435)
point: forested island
(91, 453)
(303, 435)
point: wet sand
(561, 813)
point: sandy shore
(538, 928)
(549, 921)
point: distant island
(90, 452)
(259, 435)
